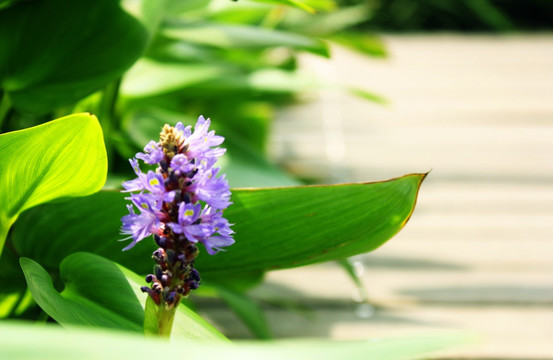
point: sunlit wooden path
(477, 254)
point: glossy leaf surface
(275, 227)
(287, 227)
(62, 158)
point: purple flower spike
(181, 204)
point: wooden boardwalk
(477, 254)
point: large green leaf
(287, 227)
(275, 227)
(62, 158)
(62, 231)
(27, 342)
(55, 52)
(98, 293)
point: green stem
(165, 318)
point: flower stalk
(181, 204)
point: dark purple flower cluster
(181, 204)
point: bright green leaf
(367, 44)
(367, 95)
(55, 52)
(62, 158)
(49, 342)
(332, 22)
(150, 318)
(294, 3)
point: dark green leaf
(55, 52)
(99, 293)
(288, 227)
(51, 232)
(96, 294)
(275, 227)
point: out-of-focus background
(469, 96)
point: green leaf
(96, 294)
(99, 293)
(62, 230)
(367, 44)
(288, 227)
(62, 158)
(247, 310)
(150, 318)
(293, 3)
(243, 36)
(332, 22)
(149, 78)
(275, 227)
(55, 52)
(108, 345)
(367, 95)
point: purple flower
(181, 204)
(153, 154)
(143, 224)
(212, 190)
